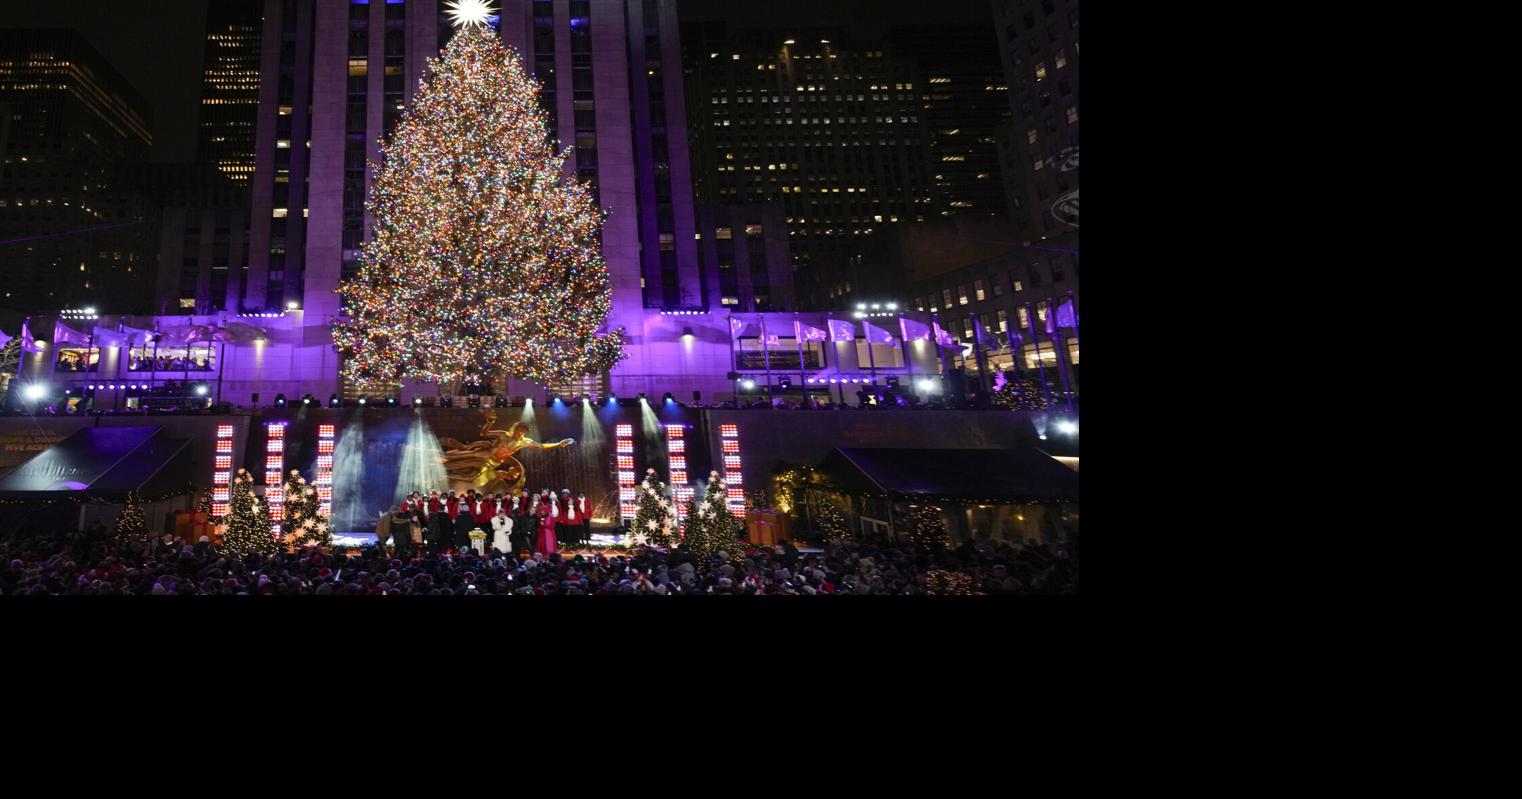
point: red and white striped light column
(274, 472)
(729, 438)
(676, 452)
(624, 436)
(324, 478)
(222, 471)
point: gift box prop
(190, 525)
(766, 527)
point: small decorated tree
(203, 505)
(831, 522)
(305, 523)
(248, 519)
(711, 527)
(655, 518)
(1017, 393)
(130, 525)
(927, 529)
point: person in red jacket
(486, 508)
(452, 507)
(435, 504)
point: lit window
(280, 213)
(1062, 58)
(1030, 136)
(962, 294)
(359, 67)
(1072, 115)
(1017, 285)
(283, 144)
(1003, 321)
(1024, 317)
(977, 289)
(723, 233)
(1041, 72)
(946, 298)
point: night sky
(156, 44)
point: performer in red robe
(485, 509)
(546, 543)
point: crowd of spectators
(88, 563)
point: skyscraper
(830, 128)
(67, 211)
(1039, 40)
(964, 100)
(230, 86)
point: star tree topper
(467, 13)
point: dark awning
(103, 463)
(1024, 474)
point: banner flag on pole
(876, 335)
(841, 330)
(912, 330)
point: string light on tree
(493, 251)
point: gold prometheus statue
(489, 465)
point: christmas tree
(494, 253)
(130, 525)
(248, 520)
(927, 529)
(830, 521)
(204, 505)
(305, 523)
(711, 527)
(1019, 393)
(655, 517)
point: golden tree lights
(485, 259)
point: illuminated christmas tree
(248, 519)
(711, 527)
(493, 253)
(130, 525)
(305, 524)
(1019, 393)
(655, 517)
(927, 529)
(830, 521)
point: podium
(190, 525)
(766, 527)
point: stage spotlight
(279, 400)
(1067, 427)
(333, 401)
(687, 335)
(642, 397)
(1042, 436)
(612, 400)
(201, 391)
(748, 384)
(306, 400)
(391, 400)
(362, 400)
(501, 401)
(35, 392)
(670, 400)
(92, 388)
(417, 400)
